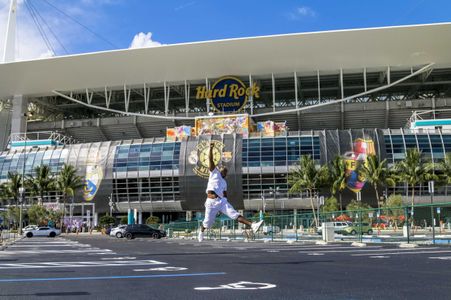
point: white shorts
(213, 206)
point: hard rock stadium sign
(228, 94)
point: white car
(338, 227)
(30, 227)
(118, 231)
(42, 231)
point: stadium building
(135, 122)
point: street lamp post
(21, 198)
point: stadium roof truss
(184, 93)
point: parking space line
(411, 251)
(81, 264)
(109, 277)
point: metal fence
(426, 223)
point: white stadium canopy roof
(400, 47)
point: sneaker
(256, 226)
(200, 237)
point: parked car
(118, 231)
(338, 227)
(30, 227)
(270, 229)
(141, 230)
(358, 228)
(42, 231)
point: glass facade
(26, 163)
(279, 151)
(148, 171)
(146, 157)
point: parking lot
(100, 267)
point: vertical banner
(194, 171)
(354, 147)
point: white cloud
(302, 12)
(144, 40)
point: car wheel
(52, 234)
(353, 232)
(370, 231)
(119, 235)
(155, 236)
(29, 234)
(128, 236)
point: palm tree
(12, 187)
(307, 176)
(413, 170)
(444, 169)
(68, 182)
(337, 173)
(377, 174)
(42, 183)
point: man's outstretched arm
(211, 163)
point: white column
(18, 120)
(9, 53)
(140, 217)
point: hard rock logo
(199, 157)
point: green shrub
(152, 220)
(107, 220)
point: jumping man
(217, 199)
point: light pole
(21, 198)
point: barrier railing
(424, 223)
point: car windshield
(152, 227)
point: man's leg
(229, 211)
(210, 214)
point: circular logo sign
(229, 94)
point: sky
(120, 24)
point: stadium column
(18, 120)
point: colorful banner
(238, 124)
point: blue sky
(169, 22)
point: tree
(307, 176)
(377, 174)
(359, 207)
(413, 170)
(152, 220)
(106, 220)
(37, 214)
(393, 208)
(124, 220)
(12, 187)
(42, 183)
(444, 171)
(330, 205)
(67, 183)
(337, 173)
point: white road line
(406, 252)
(166, 269)
(379, 256)
(118, 258)
(80, 264)
(318, 248)
(354, 249)
(441, 257)
(11, 252)
(315, 254)
(50, 245)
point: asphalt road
(99, 267)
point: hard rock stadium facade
(107, 113)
